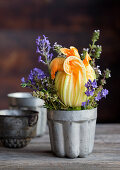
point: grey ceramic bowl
(17, 127)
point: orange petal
(90, 73)
(67, 52)
(86, 60)
(70, 52)
(72, 65)
(75, 51)
(56, 65)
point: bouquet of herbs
(73, 81)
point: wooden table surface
(37, 155)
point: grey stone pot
(17, 127)
(72, 132)
(20, 100)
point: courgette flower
(72, 74)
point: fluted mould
(72, 132)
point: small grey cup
(25, 100)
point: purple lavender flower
(85, 103)
(101, 94)
(40, 60)
(36, 73)
(90, 87)
(43, 48)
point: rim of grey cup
(24, 99)
(73, 115)
(20, 95)
(17, 113)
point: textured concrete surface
(37, 155)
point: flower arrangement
(73, 81)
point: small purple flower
(101, 94)
(38, 40)
(90, 87)
(50, 56)
(94, 84)
(40, 60)
(88, 84)
(34, 79)
(89, 92)
(23, 80)
(104, 92)
(98, 97)
(37, 51)
(36, 73)
(85, 103)
(91, 84)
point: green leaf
(23, 85)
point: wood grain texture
(37, 155)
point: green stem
(95, 94)
(48, 65)
(53, 105)
(90, 53)
(62, 104)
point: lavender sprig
(44, 48)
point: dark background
(69, 22)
